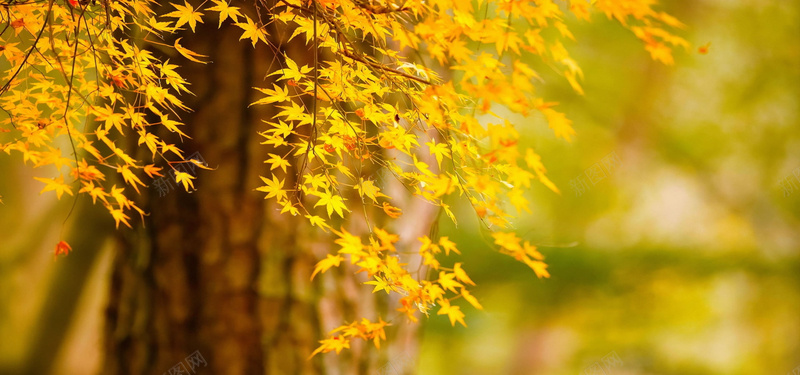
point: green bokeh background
(684, 260)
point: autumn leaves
(379, 105)
(379, 259)
(370, 100)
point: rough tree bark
(219, 271)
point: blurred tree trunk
(220, 273)
(217, 271)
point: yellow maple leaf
(274, 95)
(225, 11)
(109, 117)
(660, 52)
(539, 267)
(276, 161)
(318, 222)
(471, 299)
(439, 150)
(534, 162)
(129, 177)
(120, 217)
(448, 246)
(57, 184)
(325, 264)
(168, 147)
(461, 275)
(516, 197)
(292, 71)
(172, 126)
(273, 188)
(332, 203)
(336, 343)
(94, 191)
(380, 284)
(119, 196)
(508, 241)
(185, 14)
(452, 312)
(367, 188)
(150, 140)
(561, 125)
(185, 179)
(287, 206)
(251, 31)
(446, 280)
(157, 27)
(350, 244)
(187, 53)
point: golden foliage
(76, 79)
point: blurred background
(674, 247)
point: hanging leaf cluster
(407, 89)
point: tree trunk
(217, 281)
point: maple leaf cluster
(387, 108)
(410, 88)
(76, 82)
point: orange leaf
(392, 211)
(62, 247)
(152, 170)
(187, 53)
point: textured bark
(219, 271)
(216, 271)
